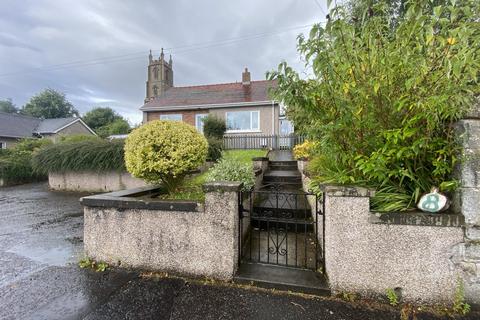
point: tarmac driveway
(41, 236)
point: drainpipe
(273, 117)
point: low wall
(89, 181)
(369, 254)
(180, 237)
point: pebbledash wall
(181, 237)
(92, 181)
(423, 256)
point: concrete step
(282, 278)
(282, 176)
(282, 163)
(289, 167)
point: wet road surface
(41, 236)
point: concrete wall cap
(222, 186)
(347, 191)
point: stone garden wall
(370, 254)
(90, 181)
(127, 228)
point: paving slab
(280, 155)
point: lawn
(244, 156)
(192, 187)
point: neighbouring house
(245, 106)
(14, 127)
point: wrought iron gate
(282, 228)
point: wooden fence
(261, 141)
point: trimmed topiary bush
(164, 152)
(214, 127)
(215, 148)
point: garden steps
(282, 278)
(282, 176)
(280, 202)
(285, 167)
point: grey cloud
(67, 30)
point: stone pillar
(467, 202)
(221, 205)
(260, 166)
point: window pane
(255, 120)
(239, 120)
(199, 121)
(174, 117)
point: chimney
(246, 77)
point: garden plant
(214, 129)
(383, 97)
(80, 153)
(164, 152)
(16, 163)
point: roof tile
(213, 94)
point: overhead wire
(141, 54)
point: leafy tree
(105, 122)
(119, 126)
(393, 11)
(381, 102)
(99, 117)
(8, 106)
(49, 104)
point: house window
(199, 121)
(243, 121)
(173, 117)
(3, 145)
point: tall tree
(99, 117)
(8, 106)
(381, 101)
(106, 122)
(49, 104)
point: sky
(96, 51)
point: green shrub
(17, 168)
(233, 170)
(382, 101)
(31, 144)
(214, 127)
(78, 137)
(16, 163)
(215, 148)
(84, 155)
(164, 152)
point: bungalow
(14, 127)
(245, 106)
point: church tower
(160, 76)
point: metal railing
(261, 141)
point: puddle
(53, 256)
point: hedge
(87, 155)
(16, 163)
